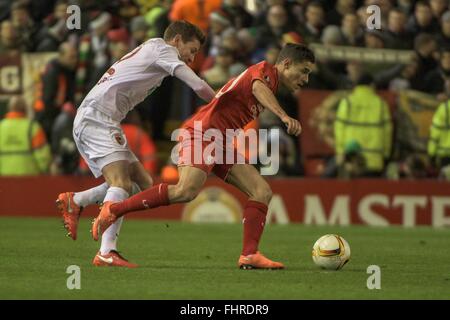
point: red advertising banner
(308, 201)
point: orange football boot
(104, 220)
(112, 259)
(258, 261)
(70, 212)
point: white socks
(91, 196)
(109, 238)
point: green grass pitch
(198, 261)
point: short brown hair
(297, 53)
(186, 30)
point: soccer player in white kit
(100, 139)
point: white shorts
(99, 139)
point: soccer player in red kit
(236, 104)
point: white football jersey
(136, 75)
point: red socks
(154, 197)
(254, 222)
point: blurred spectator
(351, 166)
(23, 145)
(437, 81)
(93, 52)
(157, 18)
(354, 163)
(439, 143)
(407, 6)
(397, 36)
(57, 86)
(232, 42)
(263, 7)
(374, 39)
(138, 30)
(219, 24)
(139, 141)
(444, 34)
(277, 24)
(240, 18)
(194, 11)
(26, 28)
(332, 36)
(400, 77)
(422, 21)
(64, 150)
(341, 8)
(311, 29)
(224, 68)
(351, 30)
(328, 74)
(364, 116)
(127, 10)
(9, 39)
(248, 45)
(4, 9)
(425, 46)
(40, 9)
(438, 7)
(117, 48)
(54, 31)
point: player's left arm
(201, 88)
(266, 97)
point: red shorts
(195, 153)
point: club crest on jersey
(119, 139)
(267, 78)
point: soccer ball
(331, 252)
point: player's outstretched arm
(266, 97)
(201, 88)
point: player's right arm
(266, 97)
(201, 88)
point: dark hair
(186, 30)
(421, 3)
(297, 53)
(317, 4)
(20, 5)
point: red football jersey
(234, 105)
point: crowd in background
(239, 33)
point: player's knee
(124, 183)
(263, 193)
